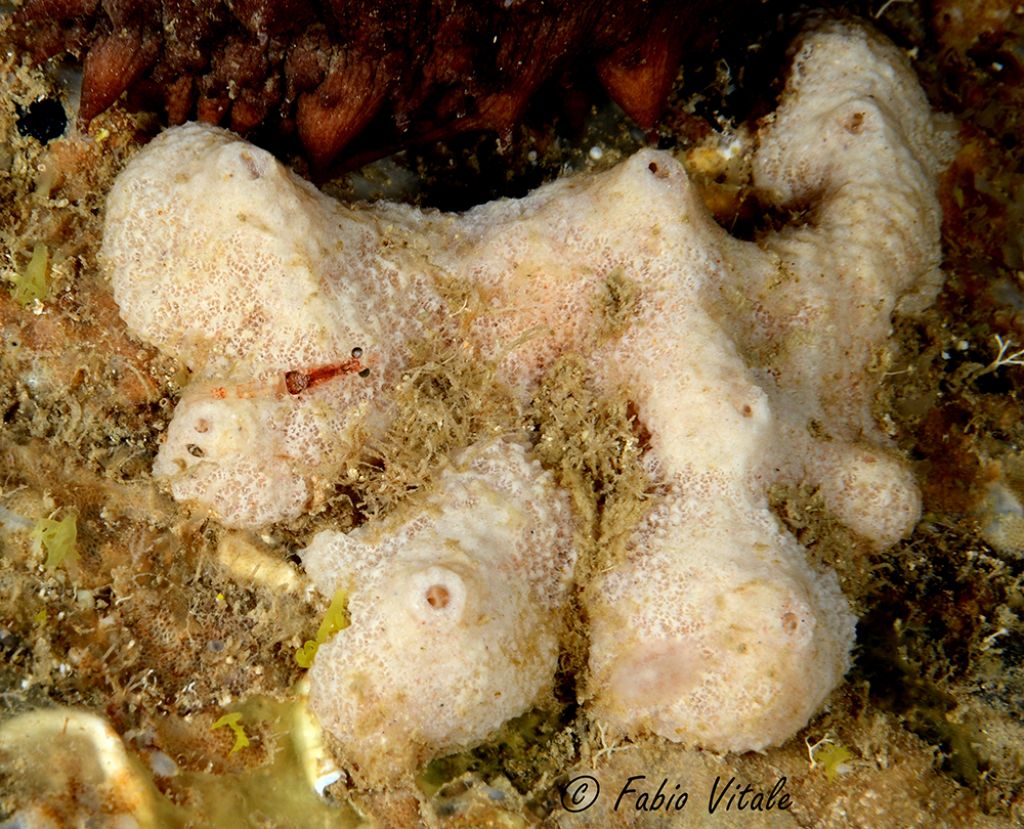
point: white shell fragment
(75, 767)
(751, 364)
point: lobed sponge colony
(749, 364)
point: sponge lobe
(455, 606)
(221, 257)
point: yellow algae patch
(57, 538)
(334, 620)
(232, 722)
(33, 283)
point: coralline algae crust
(750, 364)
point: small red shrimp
(296, 381)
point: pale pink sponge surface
(455, 612)
(749, 363)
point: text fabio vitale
(640, 794)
